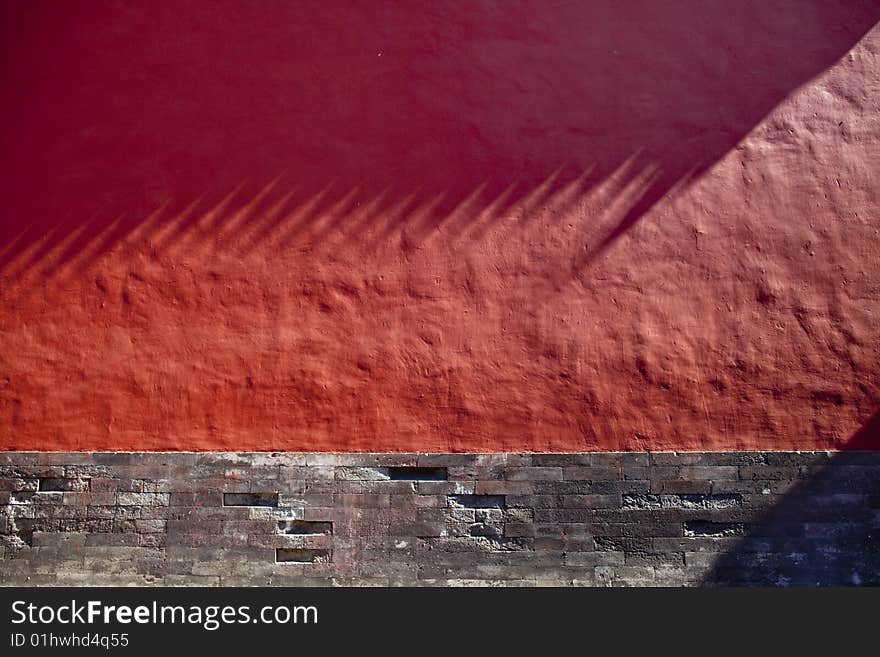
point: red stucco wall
(430, 226)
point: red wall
(439, 226)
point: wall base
(740, 518)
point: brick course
(755, 518)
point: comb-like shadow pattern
(279, 125)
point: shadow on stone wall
(826, 529)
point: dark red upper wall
(444, 226)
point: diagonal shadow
(823, 531)
(298, 125)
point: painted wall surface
(454, 226)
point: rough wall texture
(745, 518)
(476, 226)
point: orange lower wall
(329, 226)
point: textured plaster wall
(453, 227)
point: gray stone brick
(536, 473)
(143, 499)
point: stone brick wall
(747, 518)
